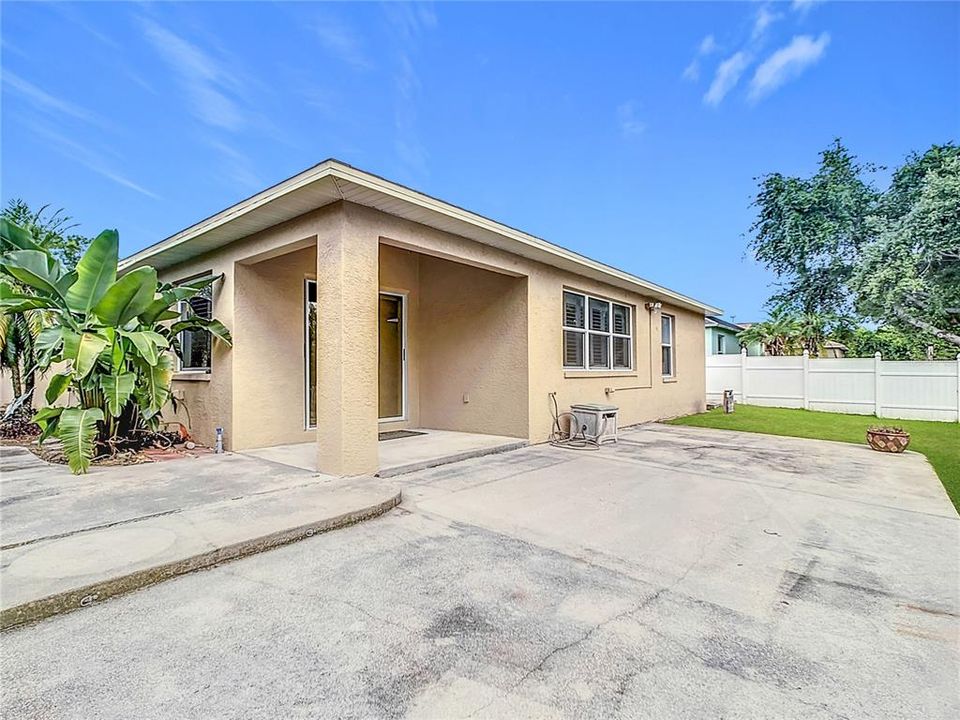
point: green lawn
(939, 441)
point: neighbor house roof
(332, 181)
(713, 321)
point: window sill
(599, 373)
(192, 376)
(669, 379)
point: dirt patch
(52, 452)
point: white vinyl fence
(913, 390)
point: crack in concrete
(646, 602)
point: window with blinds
(597, 333)
(196, 346)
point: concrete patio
(69, 541)
(429, 448)
(682, 573)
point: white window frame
(670, 342)
(181, 370)
(721, 344)
(585, 332)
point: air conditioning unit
(595, 422)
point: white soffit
(331, 181)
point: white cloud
(787, 63)
(726, 78)
(45, 101)
(212, 88)
(630, 124)
(236, 166)
(765, 18)
(408, 23)
(708, 45)
(90, 159)
(342, 42)
(803, 6)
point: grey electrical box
(595, 422)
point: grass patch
(939, 441)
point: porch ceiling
(332, 180)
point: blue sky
(629, 132)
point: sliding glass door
(310, 352)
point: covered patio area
(401, 451)
(354, 333)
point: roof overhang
(332, 181)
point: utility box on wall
(595, 422)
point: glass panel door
(391, 359)
(310, 352)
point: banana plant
(112, 339)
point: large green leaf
(13, 306)
(14, 237)
(127, 297)
(117, 390)
(77, 431)
(47, 418)
(214, 327)
(96, 271)
(34, 268)
(148, 344)
(56, 387)
(155, 386)
(82, 348)
(47, 344)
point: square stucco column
(347, 346)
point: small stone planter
(888, 439)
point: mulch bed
(19, 431)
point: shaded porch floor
(402, 455)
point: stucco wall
(650, 396)
(269, 327)
(210, 397)
(493, 335)
(473, 349)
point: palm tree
(812, 328)
(18, 332)
(778, 335)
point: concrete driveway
(684, 573)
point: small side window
(667, 345)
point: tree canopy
(839, 247)
(49, 230)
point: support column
(347, 346)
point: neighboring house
(358, 305)
(834, 349)
(720, 336)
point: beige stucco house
(358, 305)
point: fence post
(806, 379)
(958, 387)
(743, 375)
(877, 407)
